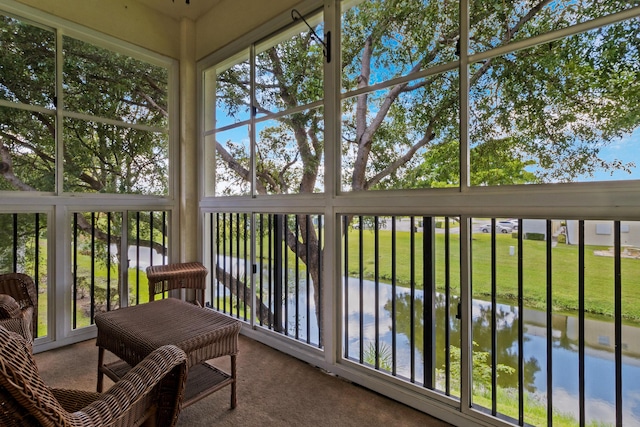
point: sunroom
(437, 200)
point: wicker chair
(20, 291)
(150, 394)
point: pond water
(599, 349)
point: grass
(599, 270)
(82, 317)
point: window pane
(383, 39)
(497, 23)
(233, 96)
(289, 71)
(106, 84)
(103, 158)
(405, 136)
(233, 162)
(27, 74)
(27, 151)
(290, 154)
(558, 112)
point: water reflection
(599, 355)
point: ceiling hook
(326, 51)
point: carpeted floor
(274, 389)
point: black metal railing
(286, 273)
(103, 275)
(551, 300)
(394, 320)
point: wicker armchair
(150, 394)
(21, 291)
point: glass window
(106, 84)
(27, 123)
(284, 138)
(404, 136)
(563, 111)
(113, 159)
(386, 39)
(117, 141)
(27, 74)
(497, 23)
(404, 133)
(27, 150)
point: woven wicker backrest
(24, 398)
(22, 288)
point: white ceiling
(179, 8)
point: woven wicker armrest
(9, 307)
(74, 400)
(151, 392)
(165, 368)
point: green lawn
(84, 265)
(599, 270)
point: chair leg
(100, 372)
(234, 401)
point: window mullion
(59, 99)
(466, 345)
(252, 117)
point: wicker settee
(149, 394)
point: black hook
(326, 51)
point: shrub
(534, 236)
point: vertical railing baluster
(549, 303)
(261, 270)
(447, 303)
(361, 288)
(320, 282)
(278, 263)
(428, 301)
(238, 275)
(151, 238)
(376, 298)
(225, 282)
(618, 320)
(345, 233)
(494, 329)
(394, 282)
(137, 257)
(92, 290)
(215, 296)
(108, 261)
(228, 289)
(75, 271)
(271, 265)
(581, 322)
(520, 322)
(215, 301)
(15, 242)
(286, 277)
(412, 322)
(36, 274)
(164, 238)
(297, 280)
(247, 268)
(308, 253)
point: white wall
(227, 22)
(600, 233)
(122, 19)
